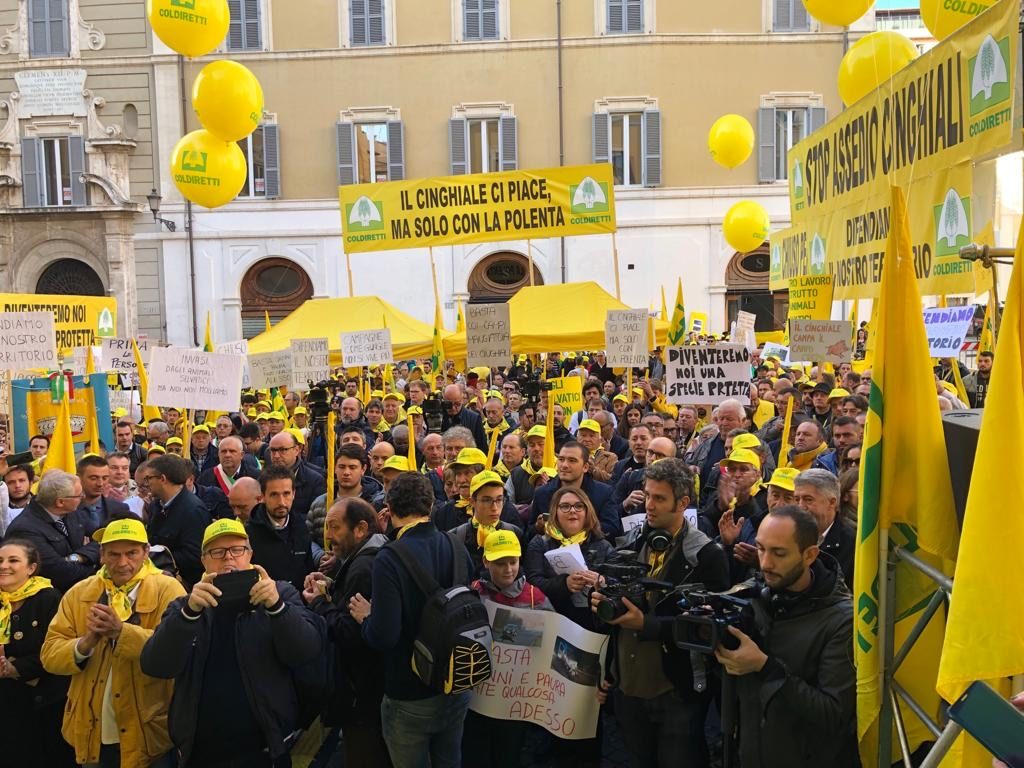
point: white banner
(359, 348)
(270, 369)
(745, 329)
(309, 362)
(707, 375)
(821, 341)
(117, 356)
(625, 338)
(189, 378)
(947, 329)
(27, 340)
(488, 335)
(545, 671)
(240, 347)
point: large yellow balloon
(190, 27)
(871, 61)
(944, 17)
(731, 140)
(746, 226)
(228, 100)
(206, 170)
(838, 13)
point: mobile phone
(234, 587)
(993, 721)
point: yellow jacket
(140, 702)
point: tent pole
(529, 255)
(348, 268)
(615, 262)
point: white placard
(625, 338)
(707, 375)
(309, 362)
(488, 335)
(359, 348)
(117, 356)
(190, 378)
(127, 399)
(822, 341)
(270, 369)
(947, 328)
(50, 92)
(744, 333)
(78, 362)
(566, 559)
(771, 349)
(240, 347)
(27, 340)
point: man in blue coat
(573, 471)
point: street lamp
(154, 206)
(989, 256)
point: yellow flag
(492, 448)
(984, 641)
(412, 444)
(208, 338)
(188, 417)
(149, 412)
(987, 342)
(266, 321)
(784, 448)
(677, 325)
(61, 454)
(332, 418)
(664, 307)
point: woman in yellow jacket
(115, 715)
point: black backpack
(452, 649)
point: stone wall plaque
(51, 92)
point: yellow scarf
(466, 504)
(482, 531)
(119, 598)
(504, 426)
(553, 531)
(527, 466)
(804, 460)
(405, 528)
(7, 599)
(502, 470)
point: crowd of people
(197, 597)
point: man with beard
(278, 536)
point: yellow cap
(122, 530)
(748, 440)
(226, 526)
(469, 457)
(742, 456)
(501, 544)
(638, 391)
(487, 477)
(413, 410)
(785, 478)
(261, 417)
(200, 428)
(156, 449)
(175, 441)
(299, 410)
(265, 403)
(394, 396)
(119, 412)
(621, 397)
(377, 394)
(401, 463)
(538, 430)
(838, 392)
(275, 416)
(251, 413)
(590, 424)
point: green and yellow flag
(437, 347)
(208, 338)
(984, 640)
(987, 342)
(905, 491)
(677, 325)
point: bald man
(629, 493)
(380, 453)
(352, 415)
(232, 465)
(245, 494)
(457, 414)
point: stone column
(120, 254)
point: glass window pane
(259, 184)
(65, 171)
(247, 187)
(493, 148)
(50, 172)
(636, 163)
(799, 124)
(476, 151)
(372, 145)
(618, 162)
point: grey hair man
(817, 491)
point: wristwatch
(74, 558)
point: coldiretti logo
(365, 215)
(588, 197)
(818, 255)
(105, 323)
(190, 4)
(776, 263)
(797, 177)
(952, 224)
(989, 76)
(194, 162)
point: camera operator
(659, 711)
(797, 705)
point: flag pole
(529, 256)
(886, 639)
(615, 266)
(348, 269)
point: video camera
(625, 580)
(532, 387)
(317, 402)
(433, 414)
(705, 617)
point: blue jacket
(600, 495)
(829, 461)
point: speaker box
(961, 430)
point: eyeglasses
(221, 553)
(851, 462)
(566, 506)
(671, 430)
(487, 501)
(657, 454)
(282, 450)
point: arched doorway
(498, 276)
(276, 286)
(70, 276)
(747, 289)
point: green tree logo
(365, 214)
(105, 323)
(588, 196)
(952, 224)
(818, 255)
(989, 74)
(193, 161)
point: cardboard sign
(625, 338)
(947, 329)
(771, 349)
(699, 322)
(189, 378)
(822, 341)
(545, 670)
(270, 369)
(488, 335)
(744, 333)
(359, 348)
(567, 391)
(118, 357)
(27, 340)
(240, 347)
(708, 375)
(309, 362)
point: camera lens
(609, 610)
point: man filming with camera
(796, 685)
(659, 702)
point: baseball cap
(487, 477)
(785, 478)
(275, 416)
(200, 428)
(299, 410)
(401, 463)
(501, 544)
(469, 457)
(223, 527)
(742, 456)
(394, 396)
(821, 387)
(838, 392)
(175, 441)
(590, 424)
(538, 430)
(749, 440)
(122, 530)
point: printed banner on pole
(567, 391)
(707, 375)
(821, 341)
(625, 338)
(545, 671)
(78, 320)
(947, 328)
(488, 335)
(191, 378)
(478, 208)
(27, 340)
(359, 348)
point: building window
(790, 16)
(274, 285)
(70, 277)
(631, 142)
(790, 128)
(480, 144)
(366, 19)
(626, 16)
(52, 169)
(263, 174)
(627, 162)
(479, 19)
(48, 28)
(56, 172)
(370, 151)
(780, 128)
(484, 150)
(244, 31)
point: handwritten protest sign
(567, 391)
(27, 340)
(625, 338)
(189, 378)
(270, 369)
(117, 356)
(771, 349)
(744, 333)
(946, 329)
(822, 341)
(359, 348)
(488, 335)
(708, 375)
(240, 347)
(309, 362)
(810, 297)
(545, 671)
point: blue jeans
(426, 728)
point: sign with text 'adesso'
(478, 208)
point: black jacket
(179, 526)
(136, 455)
(210, 460)
(799, 711)
(246, 469)
(619, 446)
(600, 495)
(269, 648)
(35, 525)
(286, 554)
(91, 521)
(472, 421)
(539, 572)
(34, 686)
(369, 434)
(309, 483)
(840, 543)
(621, 467)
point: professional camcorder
(433, 414)
(625, 579)
(317, 402)
(705, 617)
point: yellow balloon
(871, 61)
(746, 226)
(944, 17)
(190, 27)
(731, 140)
(206, 170)
(228, 100)
(838, 13)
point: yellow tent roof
(332, 317)
(546, 318)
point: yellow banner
(78, 320)
(810, 298)
(567, 391)
(478, 208)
